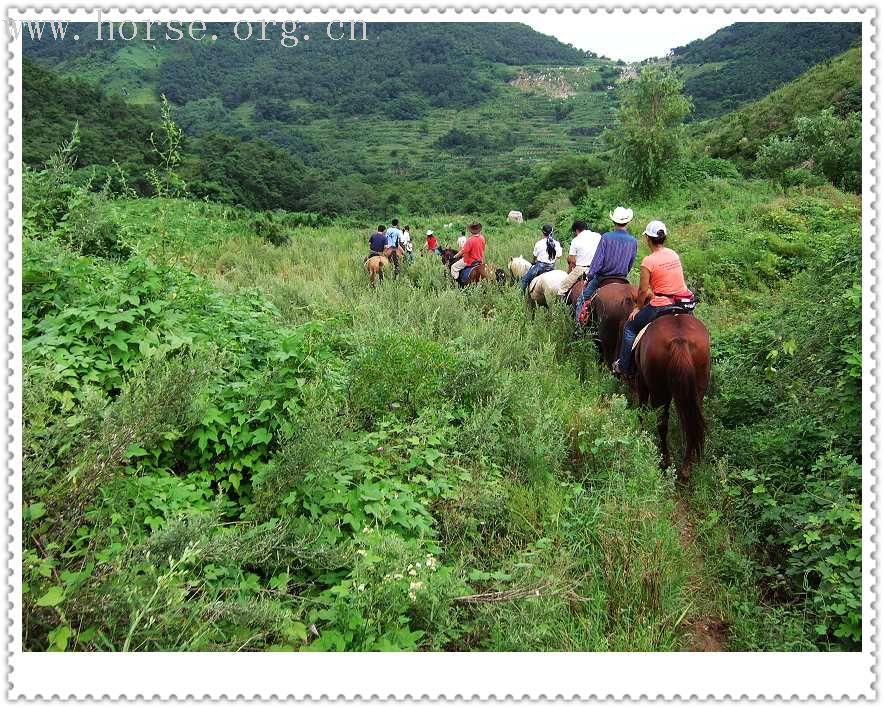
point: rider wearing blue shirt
(393, 250)
(393, 234)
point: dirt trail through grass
(706, 631)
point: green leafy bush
(405, 375)
(823, 145)
(788, 411)
(687, 170)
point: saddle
(613, 279)
(464, 276)
(673, 310)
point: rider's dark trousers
(631, 329)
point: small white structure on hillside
(515, 216)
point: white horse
(518, 267)
(544, 289)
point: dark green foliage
(462, 142)
(252, 173)
(570, 172)
(269, 229)
(738, 136)
(757, 58)
(111, 129)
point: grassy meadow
(236, 445)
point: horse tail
(683, 384)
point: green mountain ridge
(427, 150)
(413, 127)
(835, 83)
(747, 60)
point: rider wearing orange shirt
(662, 285)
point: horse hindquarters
(610, 308)
(683, 382)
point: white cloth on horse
(540, 254)
(544, 288)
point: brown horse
(483, 271)
(375, 267)
(574, 293)
(609, 308)
(672, 361)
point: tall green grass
(423, 467)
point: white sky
(631, 37)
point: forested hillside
(748, 60)
(835, 83)
(446, 110)
(112, 129)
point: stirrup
(615, 367)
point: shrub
(269, 229)
(92, 230)
(696, 169)
(781, 220)
(823, 145)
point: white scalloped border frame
(489, 676)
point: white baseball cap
(654, 229)
(621, 216)
(429, 232)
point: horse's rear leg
(661, 404)
(529, 302)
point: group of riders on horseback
(666, 362)
(597, 259)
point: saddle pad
(642, 330)
(638, 337)
(464, 276)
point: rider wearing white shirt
(546, 251)
(405, 241)
(580, 254)
(541, 255)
